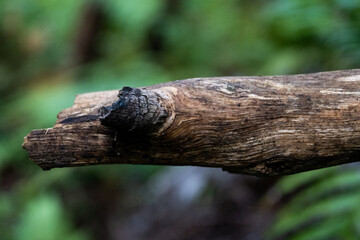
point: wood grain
(269, 125)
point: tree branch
(272, 125)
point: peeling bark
(271, 125)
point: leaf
(333, 195)
(43, 219)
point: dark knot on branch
(136, 110)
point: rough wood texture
(271, 125)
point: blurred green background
(52, 50)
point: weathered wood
(271, 125)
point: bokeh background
(52, 50)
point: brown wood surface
(270, 125)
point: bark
(271, 125)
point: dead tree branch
(271, 125)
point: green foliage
(145, 42)
(43, 219)
(325, 205)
